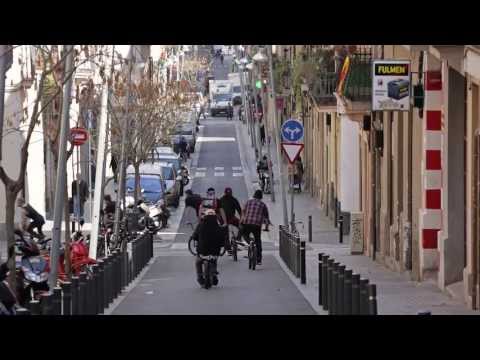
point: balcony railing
(323, 87)
(358, 84)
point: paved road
(169, 286)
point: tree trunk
(137, 182)
(9, 229)
(67, 234)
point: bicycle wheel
(192, 246)
(250, 256)
(206, 274)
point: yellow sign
(343, 76)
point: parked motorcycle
(32, 270)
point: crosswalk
(201, 172)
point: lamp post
(253, 131)
(260, 58)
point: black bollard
(347, 293)
(303, 265)
(334, 288)
(82, 283)
(95, 289)
(22, 311)
(100, 285)
(34, 307)
(325, 282)
(57, 301)
(372, 299)
(320, 255)
(75, 295)
(356, 294)
(67, 298)
(340, 286)
(46, 304)
(329, 284)
(89, 295)
(310, 228)
(340, 229)
(363, 296)
(105, 282)
(424, 313)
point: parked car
(170, 180)
(170, 159)
(153, 186)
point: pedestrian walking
(298, 174)
(37, 220)
(221, 58)
(229, 111)
(262, 133)
(79, 198)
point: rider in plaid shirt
(254, 214)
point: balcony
(323, 87)
(358, 84)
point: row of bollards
(292, 252)
(91, 293)
(341, 292)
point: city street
(169, 285)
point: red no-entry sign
(78, 136)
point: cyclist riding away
(262, 168)
(230, 206)
(255, 213)
(212, 202)
(229, 111)
(183, 145)
(210, 240)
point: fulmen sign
(391, 85)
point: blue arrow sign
(292, 130)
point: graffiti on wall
(356, 233)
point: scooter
(32, 270)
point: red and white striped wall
(431, 212)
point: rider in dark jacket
(210, 238)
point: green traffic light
(258, 84)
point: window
(222, 97)
(167, 173)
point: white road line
(219, 169)
(201, 169)
(179, 246)
(236, 168)
(237, 174)
(219, 174)
(199, 174)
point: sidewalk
(396, 293)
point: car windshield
(167, 173)
(175, 162)
(149, 183)
(223, 97)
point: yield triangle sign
(292, 150)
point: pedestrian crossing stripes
(219, 174)
(237, 174)
(236, 168)
(219, 168)
(199, 174)
(201, 169)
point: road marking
(215, 139)
(199, 174)
(201, 169)
(219, 174)
(179, 246)
(236, 168)
(219, 168)
(237, 174)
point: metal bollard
(100, 285)
(95, 296)
(347, 293)
(22, 311)
(46, 304)
(303, 265)
(372, 299)
(89, 294)
(320, 279)
(310, 228)
(329, 284)
(67, 298)
(355, 294)
(82, 294)
(134, 259)
(340, 286)
(34, 307)
(424, 313)
(334, 288)
(298, 256)
(325, 282)
(363, 296)
(75, 296)
(340, 229)
(57, 301)
(106, 291)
